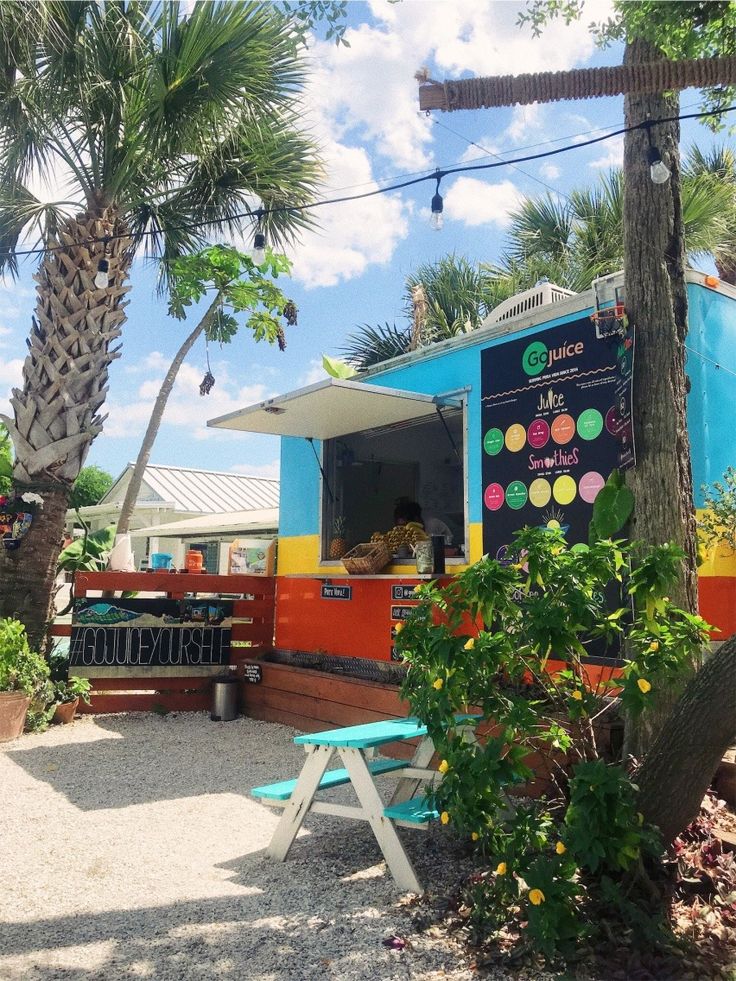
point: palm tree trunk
(686, 753)
(56, 412)
(656, 301)
(159, 406)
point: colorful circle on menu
(563, 429)
(613, 421)
(516, 495)
(493, 442)
(493, 497)
(538, 434)
(590, 484)
(515, 437)
(564, 489)
(590, 424)
(540, 492)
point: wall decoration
(157, 632)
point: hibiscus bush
(534, 645)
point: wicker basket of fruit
(366, 559)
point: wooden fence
(157, 688)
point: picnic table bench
(356, 746)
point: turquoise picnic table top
(372, 734)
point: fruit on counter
(339, 544)
(408, 534)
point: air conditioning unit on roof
(527, 302)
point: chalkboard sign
(253, 674)
(329, 591)
(403, 593)
(402, 612)
(158, 632)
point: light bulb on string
(658, 169)
(436, 221)
(102, 276)
(258, 252)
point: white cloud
(362, 105)
(272, 469)
(483, 38)
(614, 156)
(186, 409)
(476, 202)
(550, 172)
(315, 373)
(351, 235)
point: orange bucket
(194, 560)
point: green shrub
(22, 669)
(485, 642)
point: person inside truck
(407, 510)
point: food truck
(516, 423)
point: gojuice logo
(538, 357)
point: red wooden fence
(160, 688)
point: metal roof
(206, 491)
(228, 523)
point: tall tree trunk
(56, 412)
(656, 300)
(159, 406)
(685, 755)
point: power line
(720, 367)
(437, 175)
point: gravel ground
(129, 848)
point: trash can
(224, 699)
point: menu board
(555, 421)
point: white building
(180, 508)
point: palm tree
(570, 242)
(457, 296)
(163, 127)
(719, 164)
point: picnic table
(356, 747)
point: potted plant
(24, 678)
(67, 695)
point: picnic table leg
(398, 862)
(301, 799)
(408, 786)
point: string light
(209, 222)
(102, 277)
(658, 169)
(436, 221)
(258, 252)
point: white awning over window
(331, 408)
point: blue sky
(362, 105)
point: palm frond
(370, 345)
(540, 226)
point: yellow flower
(469, 644)
(437, 684)
(536, 897)
(445, 817)
(560, 848)
(654, 646)
(644, 685)
(501, 868)
(475, 836)
(398, 628)
(444, 766)
(577, 695)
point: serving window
(367, 472)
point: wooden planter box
(314, 700)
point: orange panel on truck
(348, 615)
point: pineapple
(338, 545)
